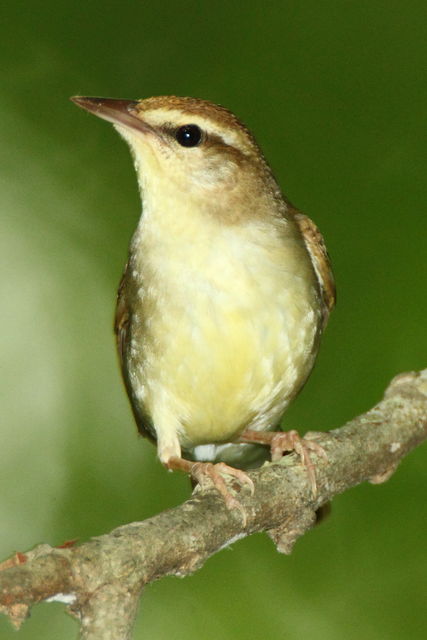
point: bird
(225, 294)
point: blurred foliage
(335, 92)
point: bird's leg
(281, 442)
(205, 472)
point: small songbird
(225, 294)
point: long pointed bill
(122, 112)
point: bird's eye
(189, 135)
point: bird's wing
(322, 265)
(122, 330)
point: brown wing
(122, 331)
(319, 256)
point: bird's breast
(224, 328)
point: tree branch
(102, 579)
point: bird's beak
(121, 112)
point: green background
(335, 92)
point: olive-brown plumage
(226, 291)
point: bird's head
(187, 146)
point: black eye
(189, 135)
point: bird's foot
(281, 442)
(208, 473)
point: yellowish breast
(225, 326)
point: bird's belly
(226, 361)
(244, 381)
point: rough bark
(101, 580)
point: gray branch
(101, 580)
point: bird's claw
(281, 442)
(287, 441)
(207, 472)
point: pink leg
(281, 442)
(205, 472)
